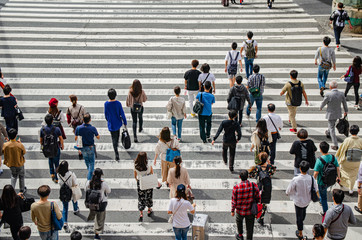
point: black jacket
(239, 91)
(230, 127)
(13, 215)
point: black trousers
(14, 229)
(231, 147)
(249, 220)
(134, 121)
(300, 214)
(115, 141)
(273, 145)
(11, 123)
(356, 87)
(239, 118)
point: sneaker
(24, 191)
(209, 140)
(203, 141)
(96, 237)
(357, 209)
(80, 156)
(231, 170)
(356, 107)
(193, 115)
(1, 172)
(335, 148)
(135, 140)
(321, 91)
(76, 212)
(140, 130)
(293, 130)
(322, 213)
(239, 237)
(338, 48)
(261, 221)
(66, 227)
(328, 135)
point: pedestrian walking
(232, 59)
(192, 84)
(205, 117)
(304, 150)
(354, 71)
(14, 152)
(24, 233)
(2, 138)
(318, 232)
(270, 3)
(333, 100)
(338, 19)
(87, 132)
(41, 214)
(238, 94)
(250, 48)
(178, 208)
(8, 103)
(322, 175)
(165, 142)
(358, 208)
(260, 140)
(49, 136)
(176, 106)
(256, 84)
(114, 114)
(141, 169)
(69, 180)
(244, 194)
(263, 172)
(229, 140)
(76, 236)
(327, 60)
(135, 99)
(294, 90)
(349, 158)
(75, 113)
(299, 191)
(100, 190)
(58, 117)
(338, 217)
(274, 124)
(206, 76)
(176, 176)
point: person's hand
(213, 91)
(21, 195)
(62, 147)
(338, 179)
(307, 103)
(226, 69)
(154, 162)
(334, 68)
(345, 114)
(315, 62)
(232, 214)
(237, 141)
(213, 141)
(186, 87)
(194, 204)
(359, 191)
(330, 22)
(341, 77)
(7, 139)
(350, 26)
(251, 149)
(250, 109)
(256, 55)
(185, 115)
(241, 69)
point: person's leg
(202, 120)
(191, 101)
(115, 139)
(247, 67)
(323, 197)
(141, 197)
(259, 105)
(249, 219)
(179, 128)
(14, 229)
(173, 125)
(299, 218)
(149, 198)
(178, 233)
(140, 119)
(91, 215)
(296, 171)
(263, 211)
(292, 112)
(99, 222)
(51, 166)
(56, 162)
(240, 119)
(75, 206)
(65, 211)
(251, 65)
(91, 160)
(332, 131)
(325, 76)
(252, 103)
(232, 147)
(134, 123)
(14, 176)
(21, 178)
(273, 145)
(53, 235)
(348, 86)
(356, 96)
(337, 35)
(208, 126)
(239, 223)
(320, 77)
(360, 201)
(225, 152)
(184, 233)
(164, 170)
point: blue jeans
(259, 104)
(322, 76)
(323, 197)
(89, 156)
(176, 123)
(54, 163)
(65, 209)
(337, 33)
(248, 66)
(181, 233)
(49, 235)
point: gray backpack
(354, 155)
(233, 66)
(250, 50)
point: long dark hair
(53, 111)
(8, 197)
(141, 162)
(262, 129)
(181, 194)
(357, 62)
(96, 181)
(63, 168)
(165, 134)
(136, 88)
(178, 162)
(73, 99)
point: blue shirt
(47, 129)
(114, 114)
(87, 132)
(207, 99)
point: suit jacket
(333, 101)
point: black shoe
(321, 91)
(135, 140)
(357, 209)
(209, 140)
(328, 135)
(231, 169)
(140, 130)
(140, 219)
(24, 191)
(297, 234)
(239, 237)
(117, 157)
(80, 156)
(261, 221)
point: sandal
(149, 212)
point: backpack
(50, 144)
(199, 105)
(65, 192)
(56, 120)
(297, 93)
(340, 18)
(264, 145)
(250, 50)
(329, 174)
(233, 66)
(93, 200)
(264, 179)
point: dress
(144, 196)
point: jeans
(231, 147)
(332, 131)
(48, 235)
(323, 197)
(53, 164)
(11, 122)
(248, 66)
(89, 158)
(259, 104)
(337, 34)
(322, 77)
(115, 141)
(300, 214)
(205, 120)
(356, 87)
(273, 145)
(65, 209)
(181, 233)
(134, 121)
(176, 123)
(18, 172)
(249, 219)
(192, 96)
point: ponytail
(178, 161)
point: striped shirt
(242, 197)
(257, 80)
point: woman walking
(135, 99)
(177, 107)
(58, 116)
(8, 104)
(356, 69)
(260, 140)
(176, 176)
(6, 138)
(206, 76)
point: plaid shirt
(257, 80)
(243, 197)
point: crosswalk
(54, 48)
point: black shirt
(296, 149)
(229, 127)
(192, 76)
(8, 107)
(13, 215)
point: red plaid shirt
(243, 197)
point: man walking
(338, 18)
(274, 124)
(232, 59)
(293, 99)
(192, 84)
(207, 98)
(240, 93)
(256, 83)
(243, 196)
(333, 100)
(250, 48)
(87, 132)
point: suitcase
(225, 3)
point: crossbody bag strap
(338, 214)
(79, 111)
(205, 79)
(67, 178)
(273, 123)
(173, 214)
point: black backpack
(264, 179)
(50, 144)
(65, 192)
(297, 93)
(329, 174)
(233, 66)
(264, 145)
(93, 200)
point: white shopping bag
(148, 182)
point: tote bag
(148, 181)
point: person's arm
(293, 148)
(151, 170)
(315, 175)
(199, 85)
(241, 65)
(221, 127)
(135, 175)
(61, 142)
(185, 84)
(350, 24)
(256, 51)
(291, 188)
(33, 218)
(57, 211)
(316, 56)
(169, 105)
(333, 56)
(128, 100)
(184, 110)
(324, 102)
(123, 115)
(107, 189)
(193, 211)
(234, 201)
(345, 107)
(248, 97)
(305, 98)
(226, 66)
(338, 174)
(213, 85)
(230, 95)
(156, 154)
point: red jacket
(243, 197)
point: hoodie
(239, 91)
(176, 105)
(338, 229)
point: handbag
(199, 106)
(137, 106)
(343, 126)
(278, 134)
(79, 143)
(314, 195)
(57, 223)
(170, 220)
(202, 84)
(126, 139)
(149, 181)
(27, 203)
(254, 205)
(76, 193)
(19, 113)
(76, 121)
(171, 153)
(324, 64)
(350, 77)
(190, 195)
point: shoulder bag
(56, 223)
(255, 91)
(171, 153)
(76, 121)
(350, 77)
(170, 220)
(314, 195)
(324, 64)
(149, 181)
(199, 105)
(278, 134)
(256, 208)
(137, 106)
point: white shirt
(277, 121)
(299, 190)
(245, 46)
(179, 211)
(203, 76)
(72, 181)
(105, 190)
(233, 55)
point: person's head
(250, 34)
(234, 45)
(304, 166)
(112, 94)
(232, 114)
(48, 119)
(326, 40)
(178, 160)
(73, 99)
(324, 147)
(63, 168)
(333, 84)
(7, 89)
(24, 232)
(357, 62)
(12, 133)
(340, 5)
(87, 118)
(141, 161)
(44, 191)
(318, 231)
(205, 68)
(53, 106)
(263, 156)
(239, 80)
(181, 192)
(136, 88)
(338, 196)
(96, 181)
(8, 196)
(302, 134)
(208, 86)
(262, 129)
(293, 74)
(256, 68)
(75, 235)
(354, 129)
(165, 134)
(177, 90)
(243, 174)
(194, 63)
(271, 107)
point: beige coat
(174, 182)
(177, 106)
(256, 140)
(140, 99)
